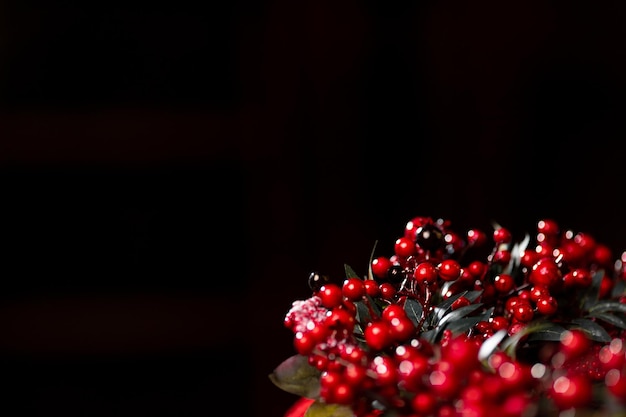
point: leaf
(440, 310)
(611, 319)
(459, 313)
(362, 313)
(461, 325)
(593, 329)
(414, 310)
(509, 346)
(604, 306)
(591, 296)
(370, 274)
(350, 272)
(551, 334)
(490, 345)
(318, 409)
(296, 376)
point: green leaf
(350, 272)
(362, 313)
(551, 334)
(318, 409)
(611, 319)
(490, 345)
(296, 376)
(413, 310)
(459, 313)
(593, 329)
(604, 306)
(509, 346)
(461, 325)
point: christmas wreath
(470, 324)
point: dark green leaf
(593, 329)
(413, 310)
(319, 409)
(591, 296)
(362, 313)
(459, 313)
(461, 325)
(440, 310)
(509, 346)
(604, 306)
(551, 334)
(431, 335)
(350, 272)
(611, 319)
(295, 375)
(619, 289)
(473, 295)
(490, 345)
(370, 274)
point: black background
(170, 173)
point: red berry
(449, 269)
(615, 381)
(425, 272)
(331, 295)
(545, 272)
(371, 288)
(502, 235)
(503, 283)
(387, 291)
(523, 312)
(304, 343)
(460, 302)
(380, 266)
(571, 391)
(547, 305)
(574, 343)
(378, 335)
(476, 237)
(424, 403)
(404, 247)
(353, 289)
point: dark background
(170, 173)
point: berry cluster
(465, 325)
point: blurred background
(170, 173)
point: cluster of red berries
(474, 325)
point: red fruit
(387, 290)
(502, 257)
(574, 343)
(461, 353)
(331, 295)
(548, 227)
(477, 269)
(424, 403)
(571, 391)
(545, 272)
(449, 269)
(378, 336)
(304, 343)
(612, 356)
(425, 272)
(412, 370)
(502, 235)
(380, 267)
(503, 283)
(385, 370)
(393, 310)
(476, 237)
(547, 305)
(371, 288)
(579, 278)
(353, 289)
(402, 328)
(615, 381)
(460, 302)
(340, 319)
(404, 247)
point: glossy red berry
(404, 247)
(571, 391)
(371, 288)
(476, 237)
(449, 269)
(503, 283)
(615, 381)
(460, 302)
(545, 272)
(387, 291)
(353, 289)
(502, 235)
(425, 272)
(380, 267)
(331, 295)
(547, 305)
(378, 335)
(523, 312)
(574, 343)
